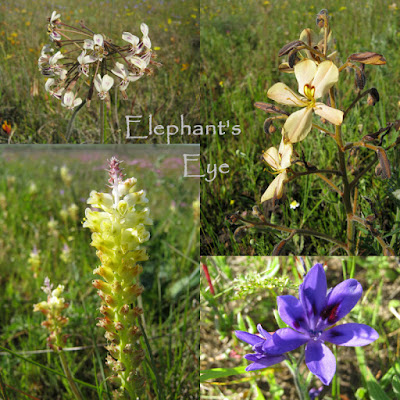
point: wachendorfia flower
(314, 81)
(78, 60)
(259, 358)
(279, 161)
(118, 224)
(312, 318)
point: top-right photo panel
(301, 108)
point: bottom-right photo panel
(300, 328)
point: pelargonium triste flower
(103, 85)
(279, 160)
(259, 358)
(314, 81)
(311, 321)
(70, 101)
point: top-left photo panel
(99, 71)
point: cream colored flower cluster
(118, 224)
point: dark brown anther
(287, 48)
(384, 163)
(373, 97)
(124, 309)
(360, 78)
(368, 58)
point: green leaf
(257, 390)
(251, 324)
(279, 320)
(215, 373)
(240, 322)
(374, 390)
(396, 385)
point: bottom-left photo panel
(99, 277)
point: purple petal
(263, 332)
(248, 337)
(291, 311)
(284, 340)
(341, 300)
(350, 335)
(264, 362)
(312, 293)
(320, 361)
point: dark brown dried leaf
(269, 108)
(368, 57)
(277, 251)
(360, 78)
(293, 58)
(289, 47)
(373, 97)
(384, 163)
(322, 19)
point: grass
(245, 292)
(35, 117)
(32, 193)
(239, 46)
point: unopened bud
(373, 97)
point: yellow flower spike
(119, 228)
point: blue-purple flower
(259, 358)
(311, 319)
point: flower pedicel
(118, 224)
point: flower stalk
(118, 224)
(55, 322)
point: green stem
(68, 374)
(71, 121)
(101, 121)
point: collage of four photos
(199, 200)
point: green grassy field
(172, 90)
(36, 214)
(239, 50)
(245, 292)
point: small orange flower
(6, 127)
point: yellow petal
(331, 114)
(282, 94)
(275, 189)
(298, 125)
(305, 72)
(327, 75)
(271, 156)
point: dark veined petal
(312, 293)
(341, 300)
(248, 337)
(284, 340)
(350, 335)
(264, 362)
(320, 361)
(291, 311)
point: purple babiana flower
(312, 315)
(260, 359)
